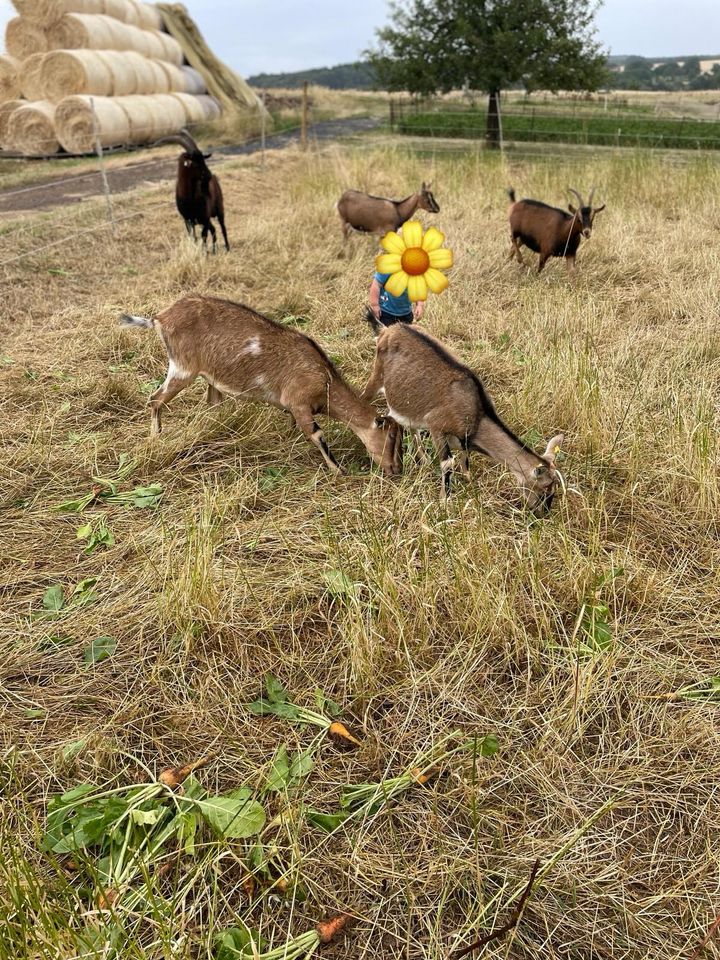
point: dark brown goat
(368, 214)
(197, 193)
(550, 231)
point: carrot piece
(342, 736)
(327, 930)
(107, 898)
(173, 776)
(420, 777)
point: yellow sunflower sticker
(414, 261)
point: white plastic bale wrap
(10, 86)
(23, 38)
(64, 73)
(6, 110)
(30, 71)
(76, 129)
(31, 129)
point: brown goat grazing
(197, 192)
(368, 214)
(242, 353)
(550, 231)
(427, 388)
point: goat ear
(571, 208)
(598, 209)
(553, 448)
(207, 155)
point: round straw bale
(75, 128)
(30, 76)
(194, 83)
(121, 11)
(144, 73)
(48, 12)
(26, 8)
(83, 31)
(150, 16)
(6, 110)
(175, 77)
(169, 114)
(31, 129)
(67, 72)
(161, 79)
(9, 78)
(172, 51)
(210, 107)
(141, 118)
(23, 38)
(121, 66)
(194, 111)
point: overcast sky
(278, 35)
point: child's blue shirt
(396, 306)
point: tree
(488, 45)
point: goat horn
(580, 199)
(186, 144)
(590, 198)
(186, 133)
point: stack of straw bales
(68, 59)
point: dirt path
(76, 188)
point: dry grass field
(586, 643)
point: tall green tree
(489, 45)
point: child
(389, 309)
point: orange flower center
(415, 261)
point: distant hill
(345, 76)
(628, 73)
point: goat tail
(511, 193)
(375, 325)
(128, 320)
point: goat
(427, 388)
(197, 193)
(368, 214)
(550, 231)
(244, 354)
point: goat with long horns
(197, 194)
(550, 231)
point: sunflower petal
(388, 263)
(417, 288)
(436, 281)
(393, 243)
(397, 284)
(441, 259)
(412, 233)
(433, 239)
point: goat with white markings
(427, 388)
(198, 194)
(244, 354)
(368, 214)
(550, 231)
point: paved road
(66, 190)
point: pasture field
(585, 643)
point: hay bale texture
(22, 37)
(6, 110)
(9, 78)
(31, 129)
(68, 58)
